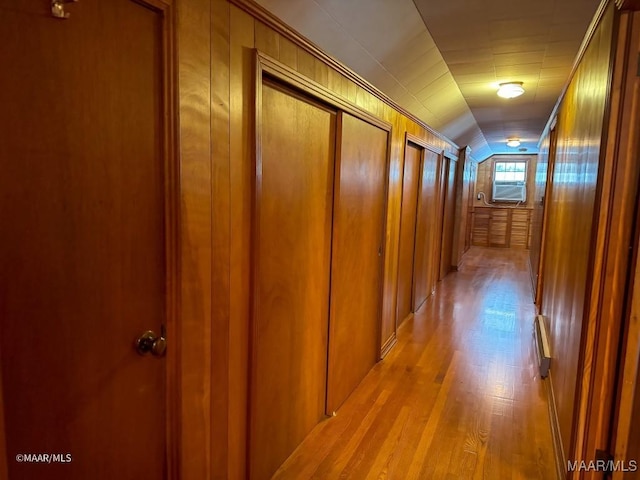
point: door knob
(149, 342)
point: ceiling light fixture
(510, 90)
(513, 142)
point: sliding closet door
(425, 274)
(448, 214)
(294, 192)
(410, 184)
(356, 273)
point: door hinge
(638, 65)
(604, 459)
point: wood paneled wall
(238, 29)
(591, 202)
(484, 179)
(572, 210)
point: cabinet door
(356, 269)
(294, 192)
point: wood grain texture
(539, 215)
(484, 180)
(569, 260)
(292, 53)
(242, 172)
(458, 397)
(84, 247)
(221, 239)
(505, 227)
(616, 233)
(194, 64)
(357, 255)
(449, 210)
(294, 200)
(465, 184)
(427, 231)
(410, 185)
(626, 437)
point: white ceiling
(442, 60)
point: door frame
(267, 66)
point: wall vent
(542, 345)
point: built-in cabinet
(505, 227)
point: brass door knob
(149, 342)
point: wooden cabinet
(501, 227)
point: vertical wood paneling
(297, 57)
(267, 40)
(357, 255)
(288, 53)
(221, 247)
(572, 210)
(241, 175)
(194, 40)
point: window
(509, 181)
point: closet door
(425, 274)
(410, 184)
(356, 267)
(294, 192)
(448, 214)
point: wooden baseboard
(558, 450)
(388, 345)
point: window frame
(522, 183)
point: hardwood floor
(459, 397)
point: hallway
(458, 397)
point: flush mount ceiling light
(510, 90)
(513, 142)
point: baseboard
(388, 345)
(558, 450)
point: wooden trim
(273, 68)
(591, 30)
(409, 137)
(628, 5)
(560, 457)
(616, 203)
(386, 348)
(551, 162)
(266, 17)
(172, 237)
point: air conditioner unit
(542, 345)
(507, 192)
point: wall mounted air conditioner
(504, 192)
(542, 345)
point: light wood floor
(458, 397)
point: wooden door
(294, 195)
(448, 215)
(82, 250)
(425, 275)
(410, 184)
(356, 267)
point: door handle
(149, 342)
